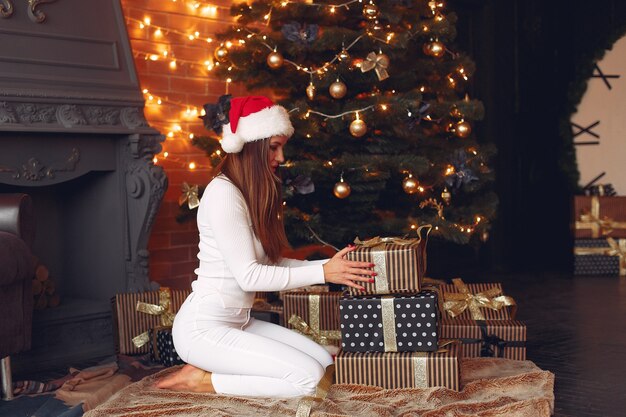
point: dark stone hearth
(73, 136)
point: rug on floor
(491, 388)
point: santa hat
(253, 118)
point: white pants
(246, 357)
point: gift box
(597, 217)
(482, 301)
(314, 314)
(386, 323)
(162, 348)
(400, 264)
(393, 370)
(156, 308)
(600, 257)
(486, 338)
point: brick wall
(173, 246)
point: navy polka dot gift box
(389, 323)
(162, 347)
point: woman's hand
(339, 270)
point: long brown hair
(250, 171)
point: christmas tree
(384, 136)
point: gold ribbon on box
(163, 310)
(420, 365)
(379, 254)
(306, 403)
(599, 226)
(378, 63)
(312, 330)
(457, 302)
(616, 248)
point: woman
(241, 238)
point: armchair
(17, 267)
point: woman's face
(276, 156)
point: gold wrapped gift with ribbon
(399, 263)
(392, 370)
(614, 248)
(315, 315)
(591, 223)
(163, 311)
(482, 302)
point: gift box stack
(389, 331)
(600, 235)
(482, 319)
(142, 323)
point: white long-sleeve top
(233, 263)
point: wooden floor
(576, 329)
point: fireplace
(73, 136)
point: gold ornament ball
(358, 128)
(446, 196)
(275, 60)
(310, 91)
(338, 90)
(370, 11)
(343, 55)
(410, 185)
(221, 53)
(462, 129)
(342, 189)
(434, 48)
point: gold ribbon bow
(616, 248)
(322, 337)
(456, 303)
(378, 63)
(190, 195)
(163, 310)
(599, 226)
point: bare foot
(189, 378)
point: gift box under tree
(386, 323)
(484, 301)
(161, 347)
(605, 257)
(393, 370)
(157, 308)
(314, 314)
(598, 217)
(486, 338)
(400, 264)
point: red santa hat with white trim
(253, 118)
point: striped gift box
(497, 338)
(505, 313)
(393, 370)
(319, 310)
(128, 322)
(400, 264)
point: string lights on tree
(374, 97)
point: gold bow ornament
(616, 248)
(163, 310)
(455, 303)
(379, 63)
(190, 196)
(599, 226)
